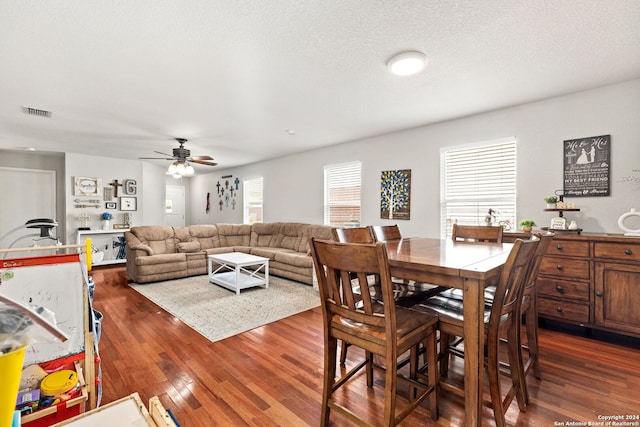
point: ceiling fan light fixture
(188, 170)
(180, 168)
(407, 63)
(172, 168)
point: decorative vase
(97, 257)
(551, 205)
(106, 225)
(621, 222)
(526, 228)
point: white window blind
(475, 179)
(252, 200)
(342, 184)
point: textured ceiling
(123, 78)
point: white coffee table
(237, 270)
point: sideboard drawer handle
(560, 289)
(559, 267)
(628, 251)
(559, 309)
(599, 293)
(559, 247)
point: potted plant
(551, 202)
(527, 224)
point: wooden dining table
(466, 266)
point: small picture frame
(108, 194)
(111, 205)
(128, 204)
(558, 223)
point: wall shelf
(103, 240)
(560, 211)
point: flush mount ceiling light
(407, 63)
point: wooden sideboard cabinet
(617, 286)
(592, 280)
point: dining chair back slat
(383, 233)
(477, 233)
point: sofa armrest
(134, 244)
(143, 248)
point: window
(475, 179)
(252, 200)
(342, 193)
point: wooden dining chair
(477, 233)
(383, 233)
(529, 311)
(353, 235)
(502, 318)
(380, 328)
(407, 292)
(530, 314)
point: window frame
(473, 204)
(248, 201)
(341, 175)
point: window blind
(252, 200)
(342, 184)
(475, 179)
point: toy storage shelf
(100, 239)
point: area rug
(218, 313)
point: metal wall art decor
(395, 194)
(129, 187)
(110, 205)
(86, 203)
(227, 192)
(85, 186)
(587, 164)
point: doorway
(174, 206)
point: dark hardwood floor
(272, 375)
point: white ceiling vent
(36, 112)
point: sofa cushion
(161, 259)
(294, 258)
(291, 235)
(159, 238)
(269, 252)
(207, 235)
(234, 234)
(322, 232)
(188, 247)
(265, 235)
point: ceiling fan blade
(164, 154)
(156, 158)
(192, 158)
(202, 162)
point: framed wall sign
(587, 163)
(558, 223)
(84, 186)
(128, 204)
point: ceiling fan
(181, 158)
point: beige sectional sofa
(161, 252)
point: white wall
(293, 185)
(107, 169)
